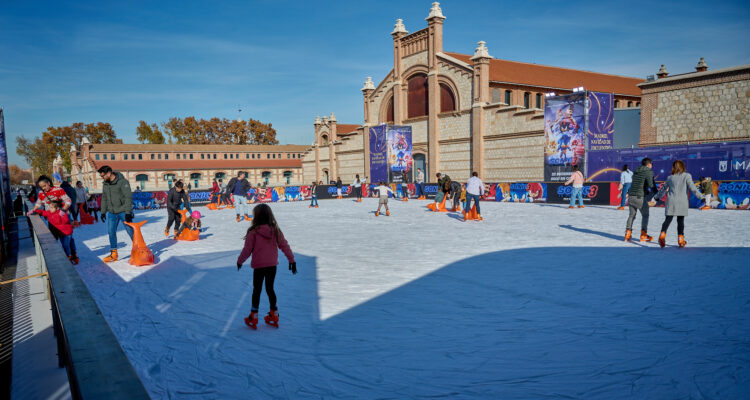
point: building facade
(702, 106)
(158, 166)
(467, 113)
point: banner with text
(564, 131)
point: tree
(149, 133)
(41, 152)
(219, 131)
(18, 175)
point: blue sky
(285, 62)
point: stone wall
(519, 158)
(455, 126)
(712, 112)
(462, 79)
(455, 160)
(412, 60)
(350, 164)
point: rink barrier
(96, 365)
(726, 194)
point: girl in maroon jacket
(60, 227)
(262, 242)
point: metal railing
(96, 365)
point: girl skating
(678, 201)
(262, 242)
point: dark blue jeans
(113, 220)
(314, 201)
(624, 193)
(68, 245)
(469, 198)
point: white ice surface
(536, 301)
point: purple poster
(378, 154)
(601, 126)
(399, 152)
(564, 131)
(720, 161)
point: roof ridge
(552, 66)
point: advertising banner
(601, 121)
(525, 192)
(720, 161)
(564, 131)
(378, 154)
(329, 191)
(399, 152)
(733, 196)
(593, 193)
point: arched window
(266, 176)
(508, 97)
(526, 100)
(447, 99)
(324, 140)
(220, 175)
(389, 111)
(288, 176)
(141, 179)
(418, 95)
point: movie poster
(378, 154)
(399, 152)
(564, 136)
(601, 118)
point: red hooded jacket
(263, 245)
(59, 220)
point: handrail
(97, 366)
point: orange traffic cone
(440, 207)
(140, 255)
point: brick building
(466, 112)
(701, 106)
(158, 166)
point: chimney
(662, 72)
(702, 66)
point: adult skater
(455, 195)
(419, 184)
(338, 187)
(474, 191)
(177, 195)
(626, 179)
(48, 193)
(81, 195)
(678, 201)
(383, 191)
(441, 181)
(576, 178)
(358, 188)
(239, 186)
(117, 206)
(642, 186)
(313, 195)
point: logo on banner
(739, 164)
(723, 166)
(588, 191)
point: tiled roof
(161, 165)
(555, 77)
(167, 148)
(343, 129)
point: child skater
(262, 242)
(93, 207)
(463, 196)
(193, 222)
(61, 228)
(313, 196)
(383, 198)
(678, 201)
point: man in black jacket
(641, 191)
(177, 195)
(239, 187)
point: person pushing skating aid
(262, 241)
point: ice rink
(536, 301)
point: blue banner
(601, 126)
(378, 154)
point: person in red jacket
(60, 227)
(262, 242)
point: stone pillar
(317, 151)
(434, 45)
(663, 73)
(481, 97)
(399, 100)
(367, 91)
(332, 149)
(702, 66)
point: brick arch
(414, 70)
(444, 80)
(320, 138)
(387, 103)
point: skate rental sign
(390, 152)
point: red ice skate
(663, 239)
(387, 213)
(272, 318)
(681, 241)
(628, 234)
(252, 320)
(645, 237)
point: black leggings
(269, 274)
(174, 217)
(680, 224)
